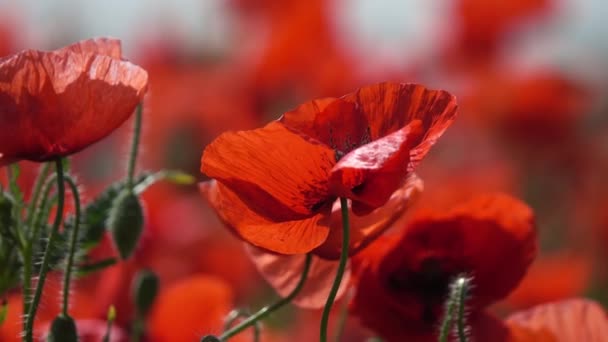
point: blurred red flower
(57, 103)
(551, 278)
(402, 281)
(483, 25)
(276, 185)
(286, 56)
(191, 308)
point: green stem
(134, 147)
(342, 319)
(265, 311)
(34, 225)
(463, 288)
(459, 289)
(31, 314)
(242, 313)
(73, 242)
(32, 206)
(340, 273)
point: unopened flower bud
(145, 289)
(63, 329)
(126, 222)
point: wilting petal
(390, 106)
(283, 272)
(57, 103)
(287, 237)
(278, 174)
(334, 122)
(371, 173)
(189, 309)
(570, 320)
(365, 229)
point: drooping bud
(126, 222)
(63, 329)
(145, 289)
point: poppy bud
(145, 289)
(63, 329)
(126, 222)
(6, 207)
(210, 338)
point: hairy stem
(73, 241)
(31, 314)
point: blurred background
(531, 78)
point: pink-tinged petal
(570, 320)
(279, 174)
(283, 272)
(365, 229)
(286, 237)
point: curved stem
(134, 146)
(31, 314)
(265, 311)
(340, 273)
(242, 313)
(73, 242)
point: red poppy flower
(57, 103)
(402, 281)
(276, 185)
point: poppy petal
(365, 229)
(57, 103)
(286, 237)
(283, 272)
(390, 106)
(334, 122)
(278, 174)
(372, 172)
(570, 320)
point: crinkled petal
(56, 103)
(390, 106)
(283, 272)
(286, 237)
(371, 173)
(334, 122)
(365, 229)
(278, 174)
(569, 320)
